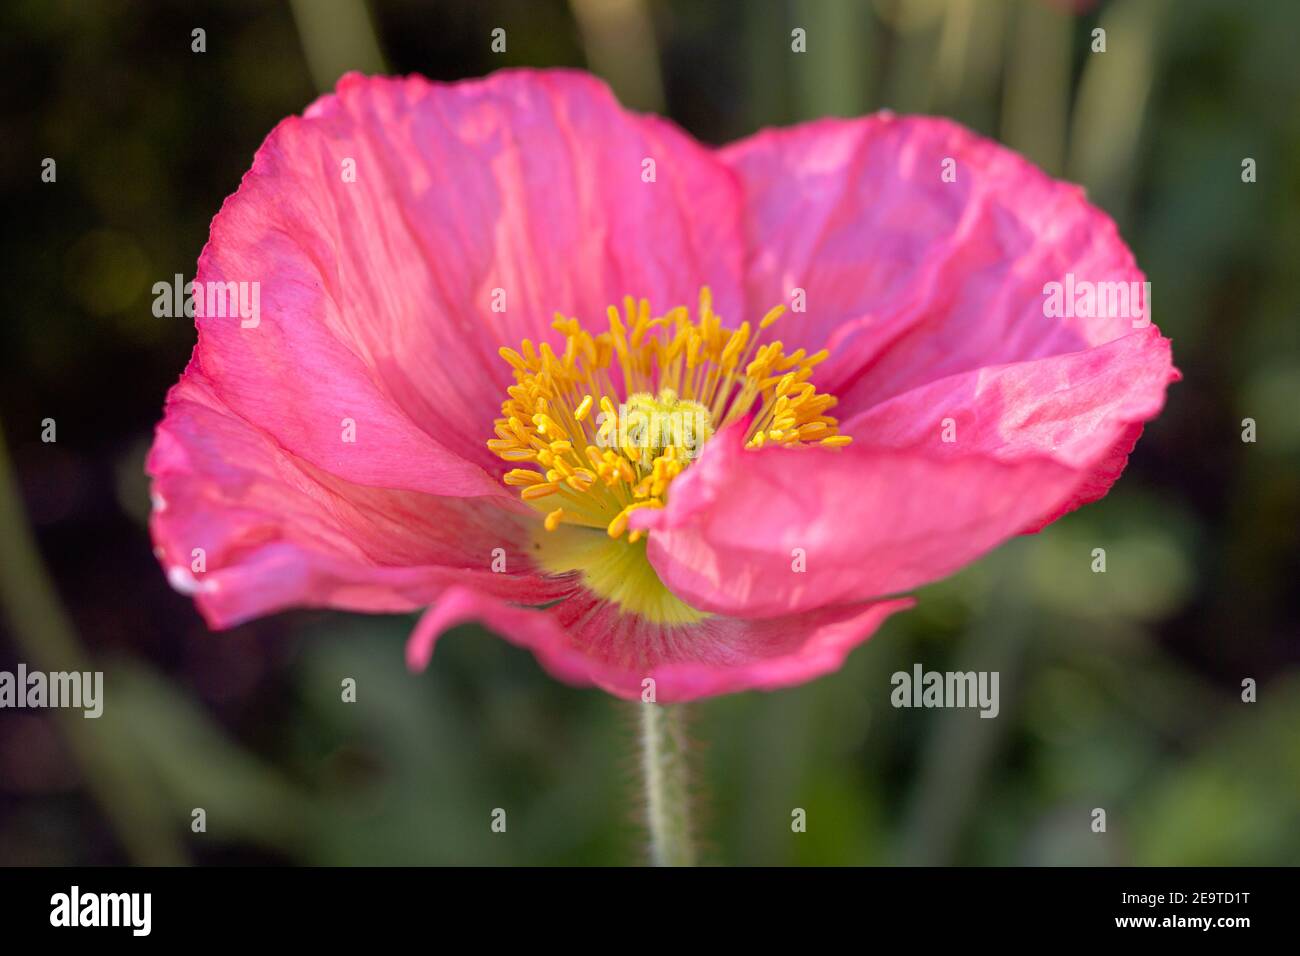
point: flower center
(604, 428)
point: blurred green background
(1119, 690)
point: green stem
(664, 767)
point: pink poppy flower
(437, 407)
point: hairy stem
(663, 764)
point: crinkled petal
(402, 231)
(1084, 409)
(786, 530)
(248, 528)
(911, 275)
(935, 477)
(975, 415)
(585, 641)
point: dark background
(1120, 690)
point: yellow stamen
(539, 491)
(663, 385)
(772, 316)
(608, 423)
(522, 476)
